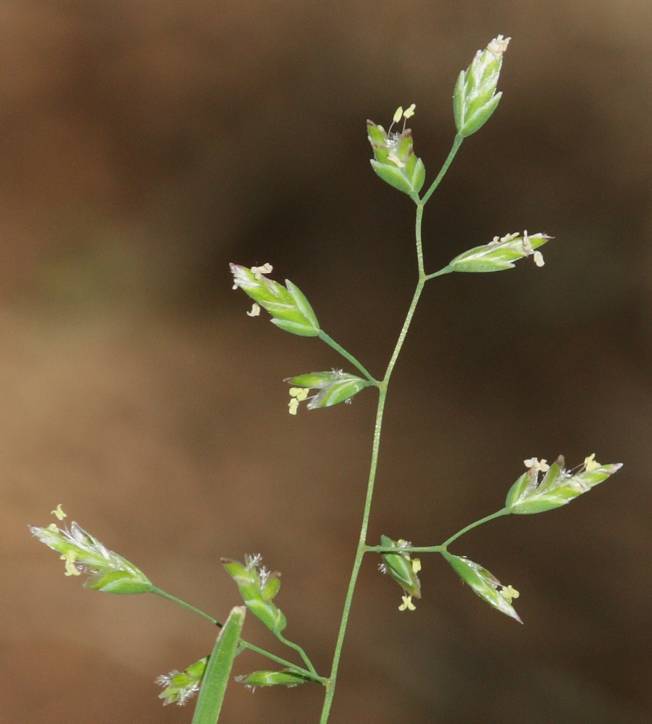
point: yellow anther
(498, 45)
(407, 604)
(537, 466)
(53, 527)
(293, 406)
(416, 565)
(409, 112)
(254, 311)
(71, 569)
(398, 114)
(58, 513)
(590, 463)
(258, 271)
(301, 393)
(538, 258)
(509, 593)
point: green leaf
(257, 587)
(334, 387)
(285, 677)
(474, 97)
(302, 330)
(499, 254)
(478, 117)
(272, 586)
(529, 496)
(312, 380)
(288, 306)
(180, 686)
(269, 613)
(393, 176)
(458, 100)
(302, 304)
(84, 554)
(518, 489)
(400, 567)
(394, 159)
(484, 584)
(218, 669)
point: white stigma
(498, 45)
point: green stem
(184, 604)
(405, 549)
(359, 554)
(439, 273)
(310, 673)
(304, 656)
(348, 356)
(375, 448)
(471, 526)
(417, 233)
(284, 662)
(457, 142)
(442, 547)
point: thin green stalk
(348, 356)
(359, 554)
(457, 142)
(471, 526)
(417, 233)
(405, 549)
(375, 448)
(310, 673)
(439, 273)
(184, 604)
(280, 660)
(304, 656)
(442, 547)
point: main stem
(375, 449)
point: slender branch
(280, 660)
(457, 142)
(439, 273)
(404, 549)
(310, 672)
(184, 604)
(304, 656)
(471, 526)
(442, 547)
(348, 356)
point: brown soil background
(145, 145)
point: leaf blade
(218, 669)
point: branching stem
(304, 656)
(383, 385)
(442, 547)
(245, 645)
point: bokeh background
(145, 145)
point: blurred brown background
(147, 144)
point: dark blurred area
(147, 144)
